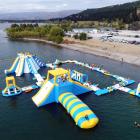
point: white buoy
(138, 89)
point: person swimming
(86, 117)
(137, 124)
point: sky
(13, 6)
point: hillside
(36, 15)
(128, 13)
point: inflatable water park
(63, 86)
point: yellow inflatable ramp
(79, 111)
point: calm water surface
(20, 119)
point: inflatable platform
(57, 87)
(11, 88)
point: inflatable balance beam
(79, 111)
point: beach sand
(118, 51)
(113, 50)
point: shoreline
(124, 58)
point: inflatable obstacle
(55, 89)
(11, 88)
(27, 63)
(40, 98)
(80, 112)
(95, 87)
(63, 86)
(58, 81)
(79, 77)
(13, 67)
(138, 90)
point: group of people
(62, 78)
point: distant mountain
(127, 12)
(37, 15)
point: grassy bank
(48, 32)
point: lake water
(20, 119)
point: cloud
(53, 5)
(23, 7)
(61, 5)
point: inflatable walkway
(79, 111)
(43, 93)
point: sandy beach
(117, 51)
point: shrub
(56, 31)
(14, 25)
(59, 39)
(83, 36)
(56, 35)
(76, 36)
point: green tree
(83, 36)
(51, 32)
(56, 31)
(66, 26)
(59, 39)
(56, 34)
(14, 25)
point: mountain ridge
(126, 12)
(37, 15)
